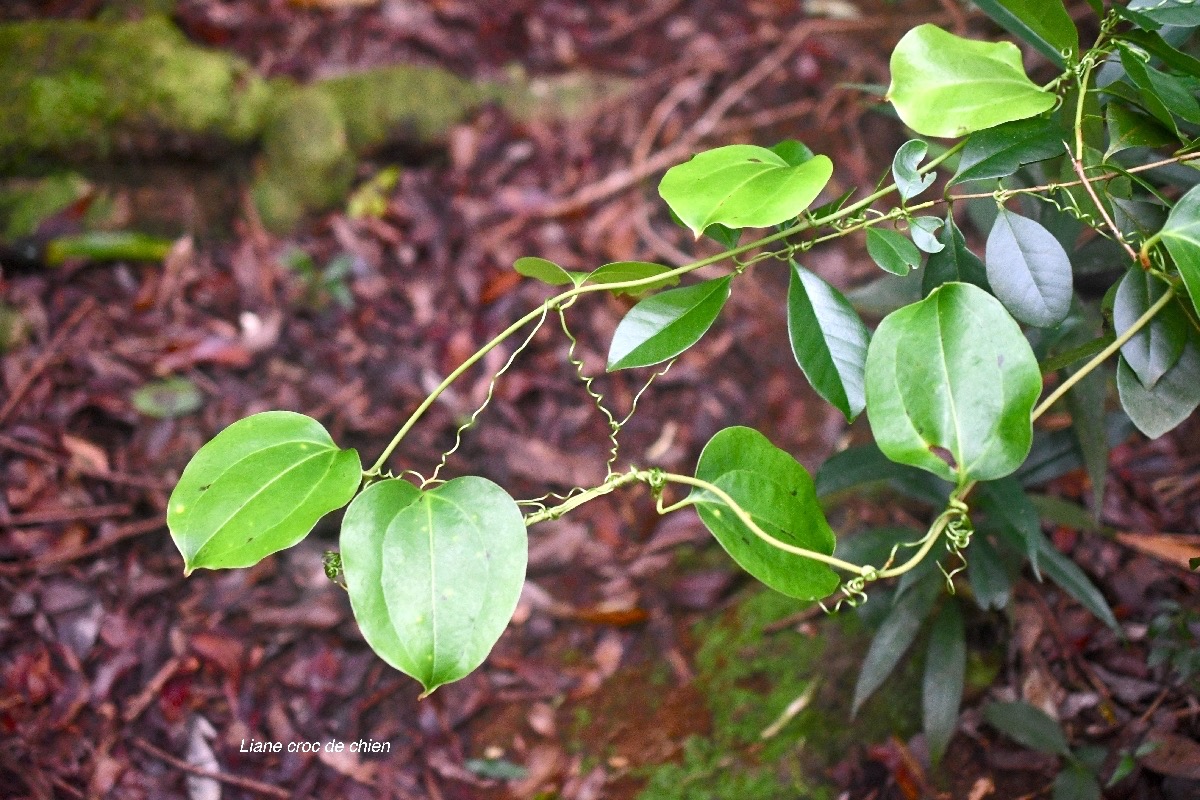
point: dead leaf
(85, 454)
(1174, 755)
(1173, 548)
(200, 754)
(348, 764)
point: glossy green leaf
(623, 271)
(1168, 12)
(866, 463)
(893, 252)
(543, 270)
(663, 326)
(1000, 151)
(793, 152)
(990, 584)
(1156, 347)
(778, 494)
(954, 262)
(1128, 128)
(1028, 270)
(257, 488)
(896, 634)
(1163, 95)
(909, 182)
(434, 576)
(1157, 46)
(945, 668)
(828, 340)
(951, 384)
(722, 235)
(1045, 24)
(1027, 726)
(742, 186)
(944, 85)
(1076, 782)
(1181, 235)
(924, 233)
(1072, 580)
(1172, 400)
(167, 398)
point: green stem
(570, 503)
(931, 538)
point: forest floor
(640, 662)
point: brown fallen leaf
(1174, 755)
(1173, 548)
(85, 454)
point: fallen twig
(47, 356)
(248, 784)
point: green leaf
(778, 494)
(1128, 128)
(828, 340)
(923, 231)
(1045, 24)
(944, 85)
(1157, 46)
(1164, 96)
(904, 169)
(1171, 401)
(663, 326)
(1156, 347)
(1010, 510)
(1076, 782)
(1181, 235)
(896, 634)
(1168, 12)
(622, 271)
(1072, 580)
(954, 262)
(543, 270)
(107, 246)
(170, 397)
(945, 667)
(793, 152)
(1000, 151)
(1027, 726)
(1028, 270)
(987, 575)
(434, 576)
(257, 488)
(722, 235)
(892, 251)
(742, 186)
(951, 383)
(866, 463)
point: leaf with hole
(891, 251)
(1028, 270)
(434, 576)
(1045, 24)
(624, 271)
(951, 383)
(1000, 151)
(742, 186)
(779, 497)
(945, 668)
(1181, 235)
(954, 262)
(828, 340)
(257, 488)
(1156, 347)
(924, 233)
(909, 182)
(944, 85)
(663, 326)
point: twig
(33, 451)
(648, 17)
(1103, 211)
(47, 356)
(233, 780)
(675, 96)
(90, 549)
(154, 686)
(66, 515)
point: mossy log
(76, 92)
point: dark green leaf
(892, 251)
(1155, 45)
(170, 397)
(1086, 400)
(987, 575)
(1000, 151)
(1156, 347)
(954, 262)
(1163, 95)
(867, 464)
(794, 153)
(1181, 235)
(434, 577)
(1168, 12)
(663, 326)
(722, 235)
(1045, 24)
(257, 488)
(1136, 17)
(1128, 128)
(1076, 782)
(1071, 579)
(833, 206)
(952, 379)
(909, 182)
(924, 232)
(828, 340)
(543, 270)
(1027, 726)
(1009, 508)
(742, 186)
(1171, 401)
(778, 494)
(1028, 270)
(944, 85)
(896, 634)
(945, 666)
(622, 271)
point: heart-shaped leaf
(434, 576)
(1000, 151)
(663, 326)
(742, 186)
(1181, 235)
(1045, 24)
(891, 251)
(909, 182)
(1156, 347)
(623, 271)
(944, 85)
(778, 494)
(257, 488)
(1028, 270)
(951, 383)
(828, 340)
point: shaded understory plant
(1084, 180)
